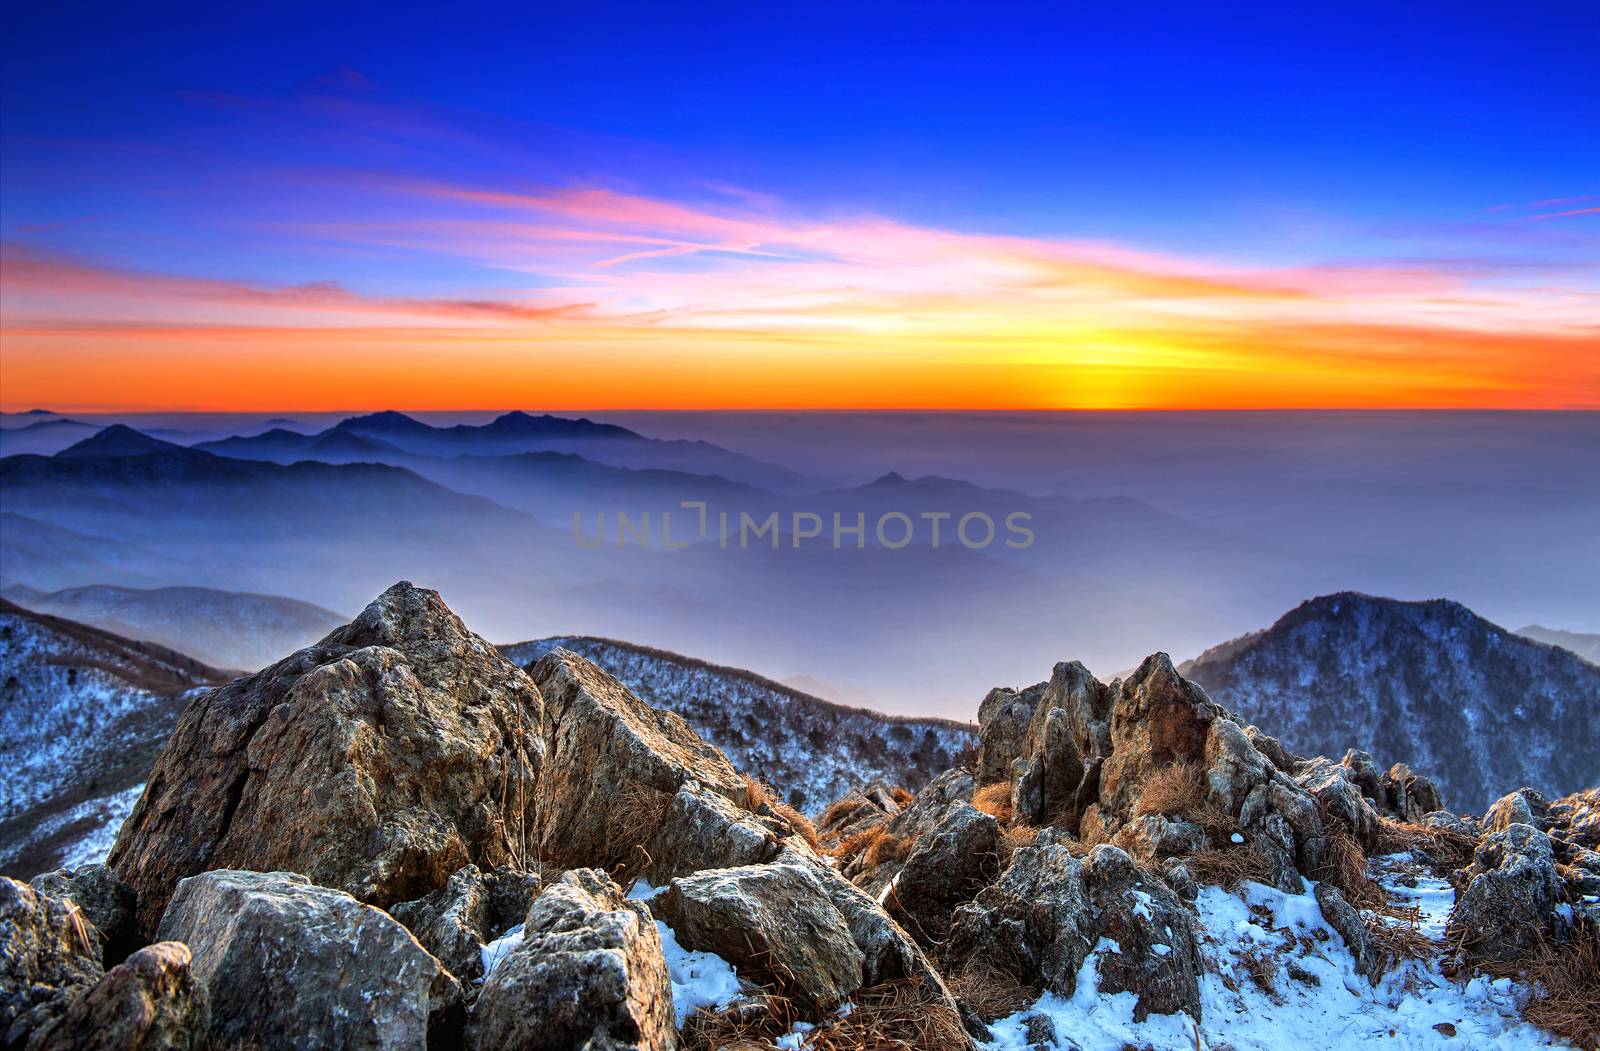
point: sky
(632, 206)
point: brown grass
(1230, 866)
(756, 794)
(1445, 850)
(1396, 935)
(638, 813)
(800, 823)
(1564, 986)
(841, 811)
(994, 800)
(902, 797)
(1178, 789)
(755, 1024)
(990, 990)
(888, 847)
(1346, 868)
(901, 1015)
(1018, 836)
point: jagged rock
(1047, 911)
(1580, 813)
(1279, 819)
(1159, 718)
(1068, 737)
(472, 910)
(947, 866)
(149, 1002)
(1512, 889)
(1522, 807)
(1274, 750)
(284, 961)
(1151, 837)
(1331, 785)
(104, 900)
(614, 766)
(1364, 772)
(1409, 796)
(589, 973)
(702, 830)
(775, 923)
(912, 824)
(47, 955)
(1452, 823)
(378, 761)
(860, 808)
(1347, 922)
(1003, 720)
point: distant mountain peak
(387, 420)
(114, 442)
(892, 478)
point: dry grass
(841, 811)
(990, 990)
(1230, 866)
(995, 800)
(901, 1015)
(1346, 868)
(1564, 983)
(1397, 937)
(800, 823)
(753, 1024)
(857, 842)
(1445, 850)
(1018, 836)
(1178, 790)
(902, 797)
(637, 814)
(888, 847)
(756, 794)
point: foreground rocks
(474, 908)
(589, 973)
(150, 1002)
(378, 761)
(287, 964)
(47, 955)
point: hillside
(814, 750)
(83, 714)
(226, 629)
(1432, 684)
(1584, 645)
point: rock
(1279, 819)
(859, 809)
(946, 866)
(47, 955)
(1363, 771)
(913, 823)
(472, 910)
(377, 761)
(1344, 919)
(1068, 738)
(614, 766)
(775, 923)
(150, 1002)
(1522, 807)
(1511, 890)
(1332, 786)
(1409, 796)
(1157, 718)
(589, 973)
(103, 899)
(1049, 909)
(702, 830)
(1580, 813)
(287, 964)
(1151, 837)
(1003, 721)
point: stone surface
(1068, 738)
(103, 899)
(287, 964)
(149, 1002)
(947, 866)
(1511, 891)
(473, 909)
(1336, 792)
(1003, 720)
(46, 957)
(589, 974)
(702, 830)
(1343, 918)
(378, 761)
(614, 766)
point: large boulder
(589, 973)
(776, 923)
(1003, 721)
(1525, 806)
(702, 830)
(1341, 798)
(103, 899)
(49, 953)
(1068, 738)
(1045, 914)
(614, 766)
(287, 964)
(473, 909)
(1511, 892)
(947, 865)
(378, 761)
(149, 1002)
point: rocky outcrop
(1004, 717)
(379, 761)
(473, 909)
(589, 973)
(281, 958)
(1067, 740)
(1048, 910)
(1340, 798)
(1348, 924)
(702, 830)
(1511, 890)
(102, 899)
(150, 1002)
(48, 954)
(948, 864)
(614, 766)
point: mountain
(815, 750)
(83, 713)
(43, 437)
(226, 629)
(519, 432)
(1585, 646)
(1464, 701)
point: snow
(1237, 838)
(1323, 1003)
(499, 949)
(699, 979)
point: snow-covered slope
(1475, 707)
(812, 750)
(82, 715)
(226, 629)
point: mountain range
(1464, 701)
